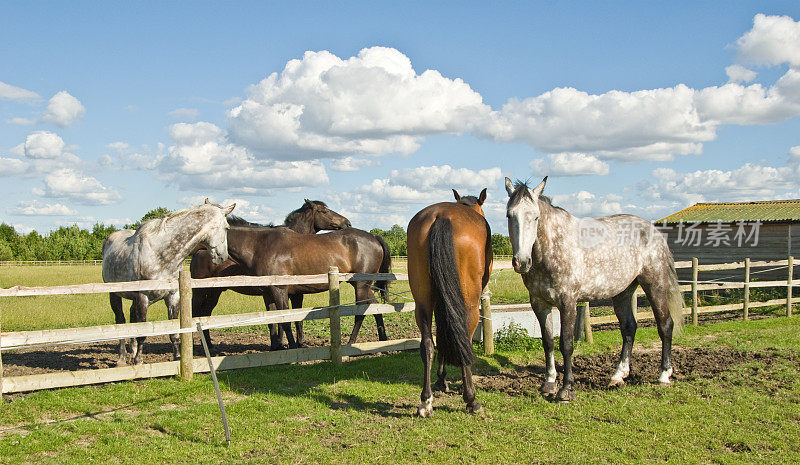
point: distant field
(31, 313)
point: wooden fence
(186, 325)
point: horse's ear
(509, 187)
(229, 209)
(308, 202)
(537, 191)
(207, 202)
(455, 194)
(482, 197)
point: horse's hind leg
(424, 319)
(297, 302)
(657, 293)
(627, 326)
(172, 300)
(441, 377)
(119, 318)
(364, 294)
(548, 387)
(203, 302)
(138, 315)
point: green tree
(159, 212)
(501, 245)
(395, 237)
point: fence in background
(186, 325)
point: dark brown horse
(449, 263)
(266, 250)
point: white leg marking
(425, 409)
(551, 368)
(623, 369)
(664, 377)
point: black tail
(386, 267)
(452, 341)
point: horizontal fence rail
(334, 312)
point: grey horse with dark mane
(564, 260)
(156, 251)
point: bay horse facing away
(564, 260)
(449, 263)
(265, 250)
(156, 251)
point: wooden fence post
(486, 316)
(187, 352)
(694, 290)
(789, 287)
(333, 314)
(587, 325)
(746, 302)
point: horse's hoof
(475, 408)
(122, 363)
(302, 344)
(566, 395)
(441, 387)
(548, 388)
(616, 382)
(277, 347)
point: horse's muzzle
(521, 266)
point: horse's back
(471, 237)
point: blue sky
(108, 109)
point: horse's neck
(240, 245)
(169, 247)
(303, 223)
(553, 235)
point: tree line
(74, 243)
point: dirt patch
(156, 349)
(593, 372)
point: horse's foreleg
(172, 300)
(119, 318)
(569, 312)
(548, 387)
(280, 298)
(627, 326)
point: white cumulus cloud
(773, 40)
(202, 159)
(37, 208)
(570, 164)
(352, 163)
(738, 73)
(63, 110)
(371, 104)
(74, 185)
(9, 92)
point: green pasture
(362, 412)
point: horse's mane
(234, 220)
(307, 205)
(520, 193)
(468, 200)
(157, 225)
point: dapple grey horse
(564, 260)
(156, 251)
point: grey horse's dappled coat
(156, 251)
(564, 259)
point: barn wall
(773, 244)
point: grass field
(361, 412)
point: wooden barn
(731, 231)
